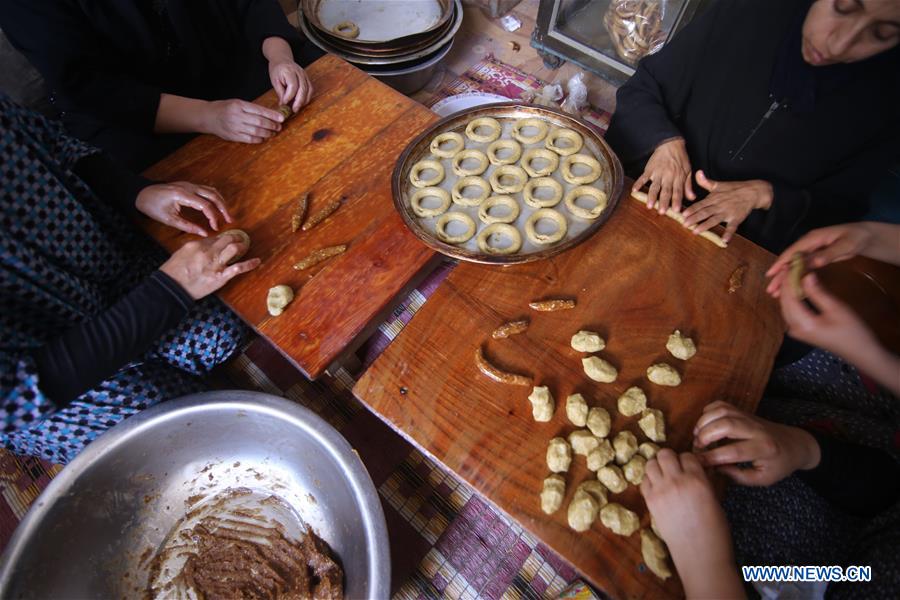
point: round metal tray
(611, 181)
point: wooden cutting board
(639, 278)
(343, 145)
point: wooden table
(639, 278)
(343, 145)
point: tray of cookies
(506, 183)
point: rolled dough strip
(709, 235)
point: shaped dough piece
(600, 456)
(680, 346)
(619, 519)
(542, 404)
(582, 510)
(595, 489)
(278, 298)
(648, 450)
(653, 425)
(655, 554)
(552, 494)
(559, 455)
(583, 441)
(588, 341)
(632, 402)
(611, 476)
(634, 469)
(577, 410)
(599, 370)
(598, 421)
(625, 444)
(663, 374)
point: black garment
(107, 61)
(716, 81)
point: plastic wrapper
(493, 8)
(576, 95)
(635, 27)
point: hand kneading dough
(599, 370)
(577, 410)
(653, 425)
(600, 456)
(655, 554)
(541, 404)
(632, 402)
(634, 469)
(680, 346)
(625, 444)
(595, 489)
(648, 450)
(559, 455)
(598, 421)
(582, 510)
(611, 476)
(619, 519)
(583, 441)
(663, 374)
(588, 341)
(552, 494)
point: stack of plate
(399, 41)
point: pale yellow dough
(552, 494)
(595, 489)
(583, 510)
(619, 519)
(648, 450)
(655, 554)
(612, 477)
(278, 298)
(653, 425)
(598, 421)
(625, 444)
(599, 370)
(663, 374)
(632, 402)
(588, 341)
(600, 456)
(559, 455)
(542, 405)
(582, 441)
(680, 346)
(634, 469)
(577, 410)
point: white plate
(454, 104)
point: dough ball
(648, 450)
(600, 456)
(619, 519)
(663, 374)
(634, 469)
(680, 346)
(598, 421)
(583, 441)
(245, 238)
(632, 402)
(599, 370)
(559, 455)
(611, 476)
(595, 489)
(577, 410)
(582, 510)
(277, 298)
(625, 444)
(541, 403)
(655, 554)
(653, 425)
(552, 494)
(588, 341)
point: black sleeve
(110, 181)
(860, 480)
(94, 350)
(264, 19)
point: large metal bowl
(93, 531)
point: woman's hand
(240, 121)
(291, 84)
(774, 451)
(728, 202)
(201, 266)
(163, 202)
(669, 171)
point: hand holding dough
(632, 402)
(655, 554)
(582, 510)
(598, 421)
(663, 374)
(583, 441)
(653, 425)
(680, 346)
(588, 341)
(600, 456)
(552, 494)
(599, 370)
(577, 410)
(541, 404)
(625, 444)
(619, 519)
(611, 476)
(559, 455)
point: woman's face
(846, 31)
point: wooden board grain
(342, 146)
(639, 278)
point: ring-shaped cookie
(440, 228)
(583, 159)
(464, 182)
(544, 238)
(586, 190)
(416, 201)
(552, 159)
(463, 155)
(487, 205)
(474, 124)
(508, 171)
(511, 232)
(538, 182)
(519, 125)
(423, 165)
(496, 146)
(448, 136)
(346, 29)
(575, 141)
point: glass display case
(608, 37)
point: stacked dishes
(401, 42)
